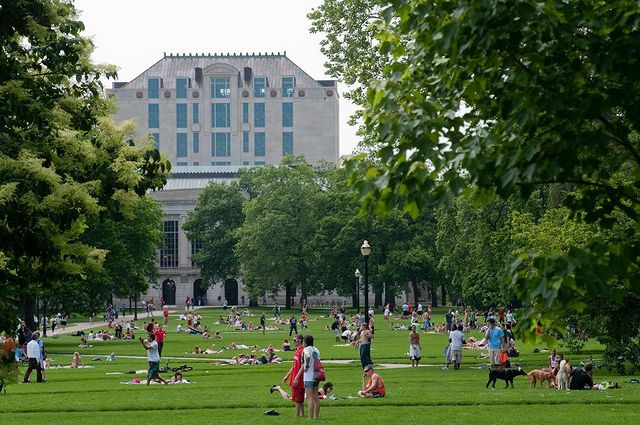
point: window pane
(221, 144)
(181, 88)
(245, 141)
(287, 143)
(181, 115)
(169, 250)
(154, 115)
(181, 145)
(258, 114)
(196, 113)
(220, 88)
(259, 85)
(288, 83)
(245, 113)
(196, 142)
(221, 115)
(153, 88)
(259, 142)
(287, 114)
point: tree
(63, 160)
(507, 96)
(213, 225)
(273, 241)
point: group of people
(566, 377)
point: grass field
(240, 394)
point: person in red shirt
(165, 314)
(297, 390)
(160, 333)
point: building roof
(271, 65)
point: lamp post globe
(365, 250)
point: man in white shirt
(153, 355)
(457, 342)
(33, 353)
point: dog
(506, 375)
(564, 374)
(541, 376)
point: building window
(258, 114)
(196, 142)
(245, 162)
(287, 143)
(196, 113)
(219, 163)
(221, 115)
(245, 142)
(153, 88)
(245, 113)
(220, 87)
(181, 88)
(156, 138)
(259, 86)
(181, 145)
(169, 250)
(220, 144)
(181, 115)
(287, 114)
(154, 115)
(288, 84)
(258, 143)
(196, 163)
(182, 164)
(259, 163)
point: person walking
(160, 334)
(297, 388)
(495, 337)
(414, 347)
(263, 323)
(293, 325)
(33, 354)
(153, 356)
(457, 342)
(310, 355)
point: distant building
(213, 114)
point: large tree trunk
(28, 310)
(434, 296)
(287, 294)
(444, 295)
(377, 302)
(416, 291)
(303, 293)
(389, 298)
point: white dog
(564, 373)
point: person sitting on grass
(77, 361)
(217, 335)
(323, 393)
(286, 346)
(372, 384)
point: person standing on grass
(457, 342)
(309, 357)
(160, 334)
(293, 325)
(297, 387)
(165, 316)
(153, 356)
(33, 353)
(414, 347)
(495, 337)
(263, 323)
(365, 345)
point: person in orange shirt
(374, 387)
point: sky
(134, 34)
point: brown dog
(538, 375)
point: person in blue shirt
(495, 338)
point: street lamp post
(356, 294)
(44, 318)
(365, 250)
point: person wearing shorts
(372, 384)
(153, 356)
(495, 337)
(306, 373)
(297, 387)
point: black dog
(506, 375)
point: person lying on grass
(323, 393)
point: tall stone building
(212, 114)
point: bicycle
(183, 368)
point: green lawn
(240, 394)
